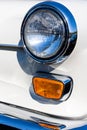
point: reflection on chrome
(27, 114)
(47, 32)
(47, 43)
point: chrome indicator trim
(66, 80)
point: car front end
(43, 63)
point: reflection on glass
(44, 33)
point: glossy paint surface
(17, 69)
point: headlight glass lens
(44, 33)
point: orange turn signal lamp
(48, 88)
(53, 127)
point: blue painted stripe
(20, 124)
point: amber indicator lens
(53, 127)
(48, 88)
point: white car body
(16, 72)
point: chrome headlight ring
(49, 32)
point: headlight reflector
(49, 32)
(44, 33)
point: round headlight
(46, 33)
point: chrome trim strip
(21, 124)
(33, 115)
(11, 47)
